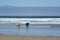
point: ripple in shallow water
(32, 32)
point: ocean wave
(31, 20)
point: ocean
(31, 31)
(38, 25)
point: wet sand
(4, 37)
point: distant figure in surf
(17, 25)
(27, 24)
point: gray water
(10, 29)
(31, 31)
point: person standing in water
(27, 24)
(17, 25)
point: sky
(30, 3)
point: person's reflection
(27, 27)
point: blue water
(31, 31)
(29, 16)
(4, 28)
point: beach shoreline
(7, 37)
(20, 37)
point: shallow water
(31, 31)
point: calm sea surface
(43, 31)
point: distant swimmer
(27, 24)
(17, 25)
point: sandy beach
(4, 37)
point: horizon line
(29, 6)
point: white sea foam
(30, 20)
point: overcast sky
(30, 3)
